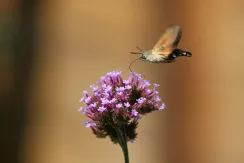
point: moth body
(151, 56)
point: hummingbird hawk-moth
(165, 50)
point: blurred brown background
(52, 50)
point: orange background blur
(52, 50)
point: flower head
(116, 102)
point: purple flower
(104, 101)
(148, 91)
(146, 83)
(126, 82)
(106, 94)
(162, 107)
(120, 89)
(113, 100)
(86, 123)
(138, 117)
(134, 112)
(119, 93)
(85, 93)
(104, 86)
(80, 109)
(141, 100)
(128, 87)
(101, 109)
(97, 94)
(93, 105)
(89, 124)
(102, 78)
(94, 88)
(127, 104)
(108, 88)
(84, 111)
(156, 85)
(82, 99)
(157, 98)
(88, 100)
(118, 105)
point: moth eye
(174, 55)
(143, 57)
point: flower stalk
(122, 140)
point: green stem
(123, 143)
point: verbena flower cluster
(115, 102)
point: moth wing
(168, 41)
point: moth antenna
(139, 49)
(137, 52)
(132, 63)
